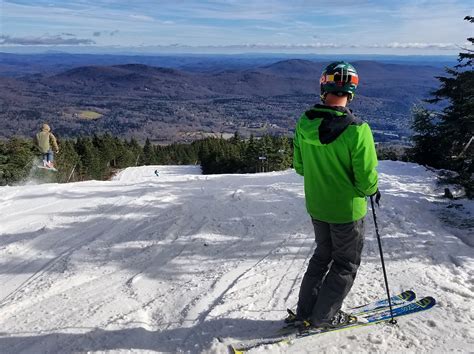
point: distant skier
(45, 140)
(335, 153)
(157, 173)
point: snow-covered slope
(170, 263)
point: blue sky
(232, 26)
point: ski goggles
(337, 78)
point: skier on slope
(44, 140)
(335, 153)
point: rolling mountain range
(18, 65)
(168, 104)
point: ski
(47, 168)
(370, 319)
(412, 307)
(406, 296)
(377, 305)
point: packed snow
(183, 262)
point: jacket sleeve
(297, 158)
(53, 141)
(364, 161)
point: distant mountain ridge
(160, 102)
(293, 68)
(18, 65)
(115, 72)
(281, 78)
(166, 82)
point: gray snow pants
(325, 285)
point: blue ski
(371, 319)
(378, 305)
(417, 306)
(396, 300)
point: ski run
(190, 263)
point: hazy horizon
(35, 50)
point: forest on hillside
(100, 156)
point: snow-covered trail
(170, 263)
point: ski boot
(291, 318)
(340, 319)
(292, 323)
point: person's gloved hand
(377, 196)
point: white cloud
(142, 18)
(274, 46)
(44, 40)
(443, 46)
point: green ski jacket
(44, 140)
(335, 152)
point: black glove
(377, 196)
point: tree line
(100, 156)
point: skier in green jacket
(335, 153)
(45, 140)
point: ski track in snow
(190, 263)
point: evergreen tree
(457, 120)
(90, 166)
(454, 126)
(148, 157)
(466, 58)
(162, 156)
(17, 158)
(232, 162)
(3, 153)
(67, 162)
(124, 156)
(136, 150)
(266, 153)
(425, 138)
(204, 152)
(107, 149)
(251, 155)
(283, 156)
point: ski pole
(393, 321)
